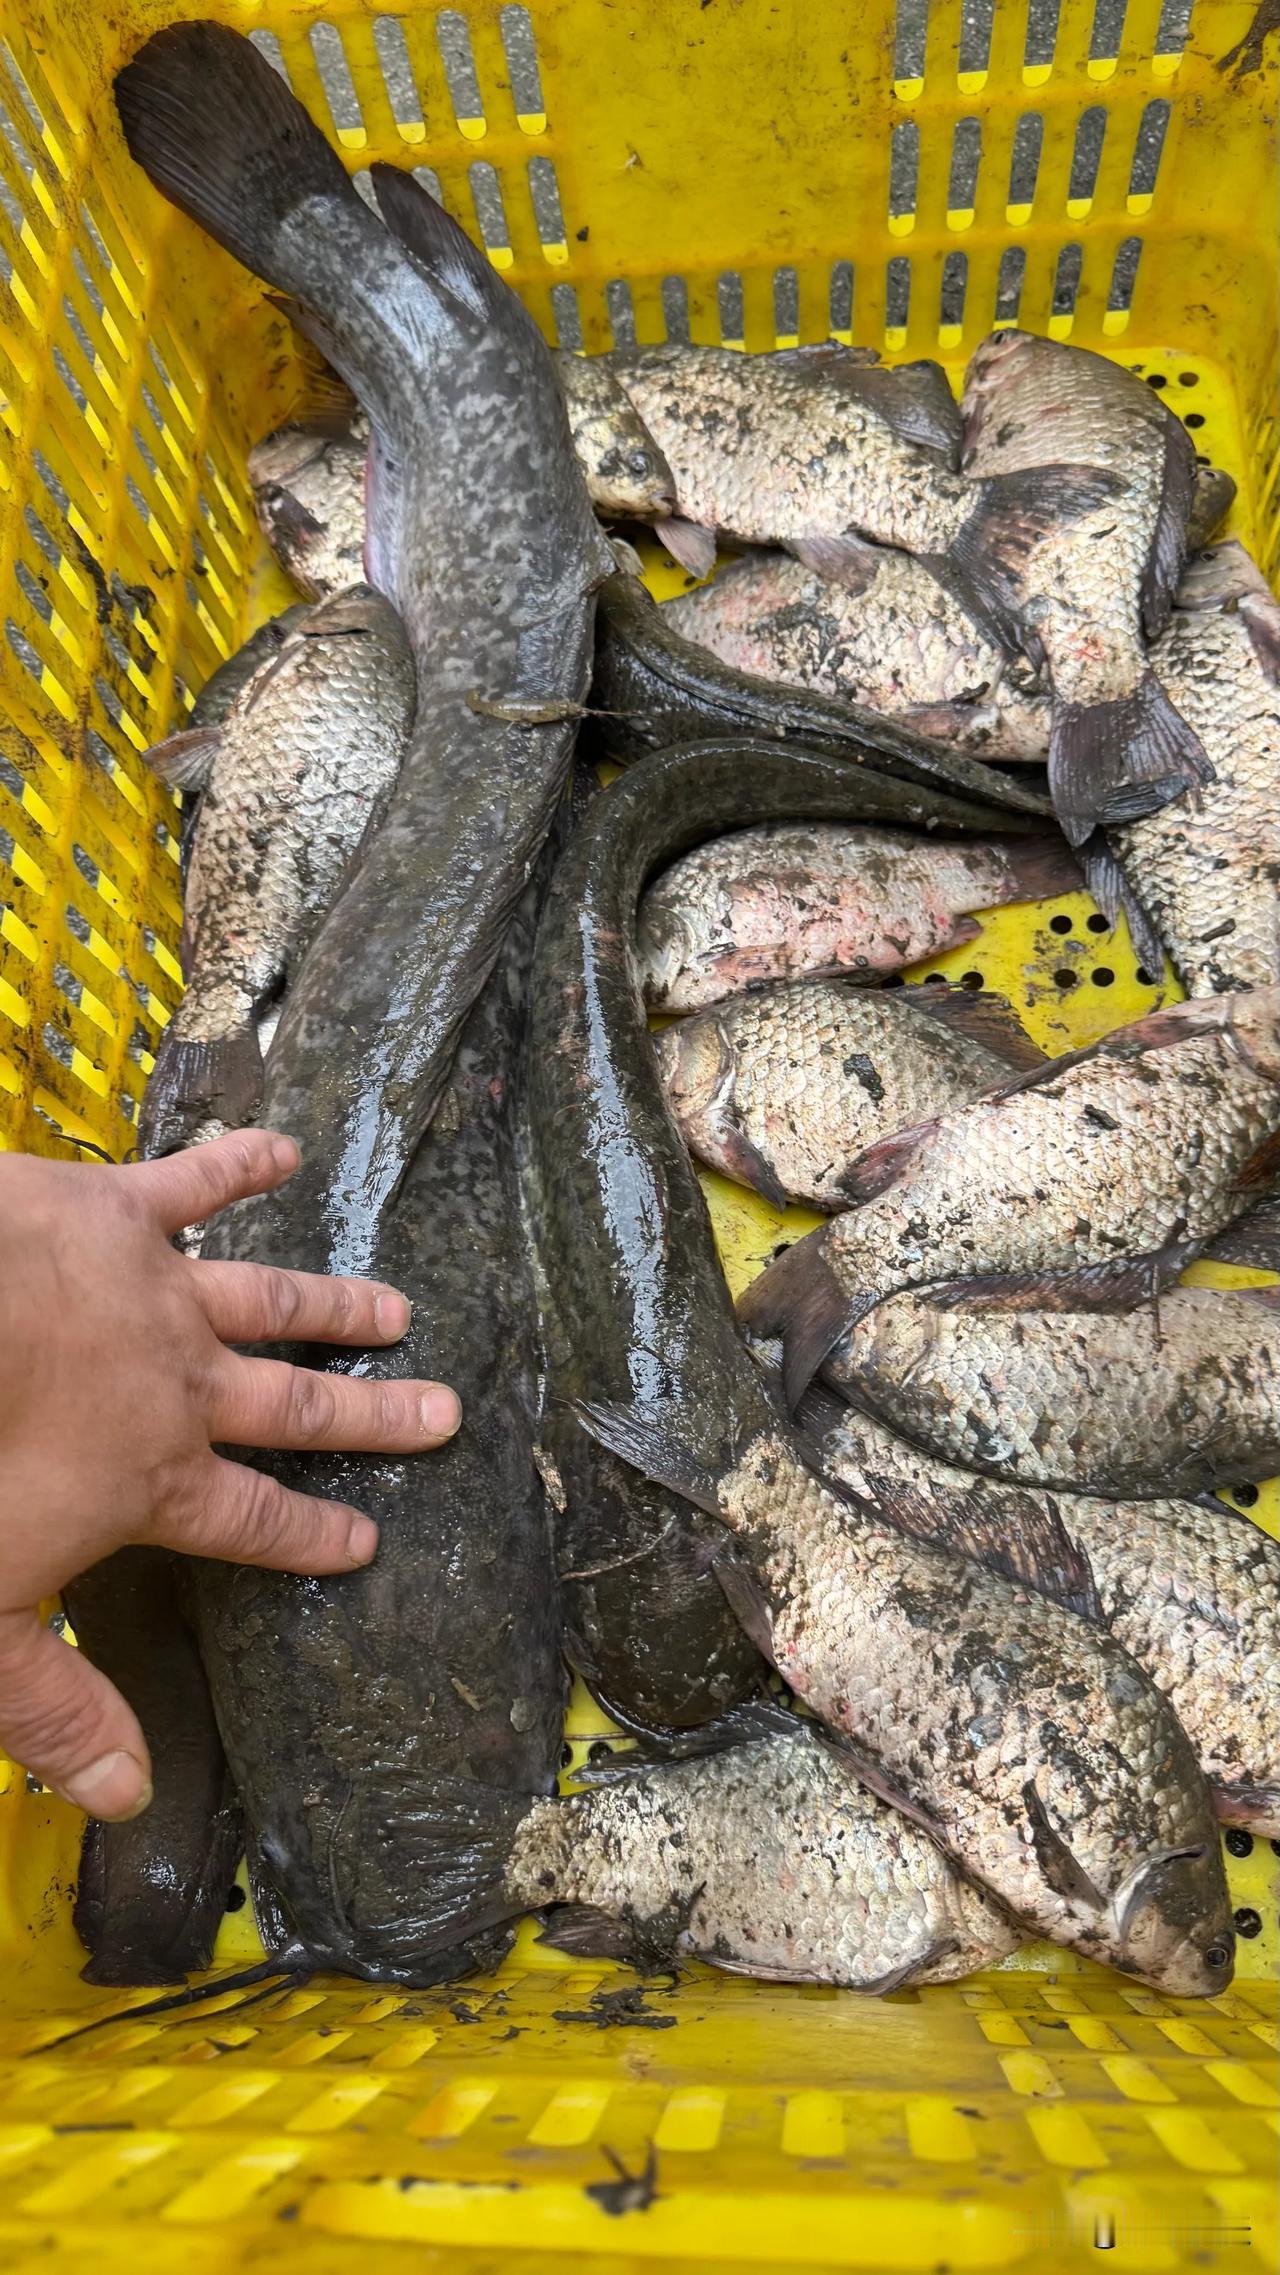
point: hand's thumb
(61, 1719)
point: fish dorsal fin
(458, 270)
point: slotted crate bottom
(1002, 2122)
(862, 181)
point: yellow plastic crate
(759, 174)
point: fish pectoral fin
(1254, 1806)
(184, 761)
(1135, 1890)
(1260, 614)
(587, 1932)
(742, 1160)
(798, 1297)
(1253, 1240)
(1061, 1869)
(744, 1725)
(881, 1165)
(987, 1019)
(688, 543)
(841, 559)
(911, 1970)
(645, 1443)
(1261, 1166)
(878, 1780)
(746, 1598)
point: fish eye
(1220, 1954)
(638, 463)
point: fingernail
(391, 1314)
(441, 1411)
(362, 1540)
(286, 1156)
(115, 1787)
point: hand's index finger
(195, 1183)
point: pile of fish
(906, 1578)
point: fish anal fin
(586, 1932)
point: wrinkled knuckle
(342, 1299)
(250, 1521)
(313, 1406)
(393, 1411)
(283, 1300)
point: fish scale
(1207, 869)
(1190, 1588)
(781, 1089)
(1170, 1398)
(767, 1857)
(1137, 1148)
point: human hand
(116, 1380)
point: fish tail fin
(1116, 762)
(798, 1297)
(194, 1083)
(223, 137)
(464, 1833)
(1041, 867)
